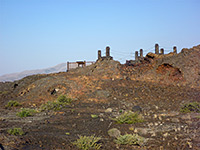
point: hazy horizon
(48, 67)
(39, 34)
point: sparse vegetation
(130, 139)
(129, 118)
(50, 106)
(88, 142)
(120, 111)
(16, 131)
(4, 92)
(26, 112)
(94, 116)
(63, 99)
(60, 102)
(12, 104)
(191, 107)
(67, 133)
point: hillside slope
(157, 88)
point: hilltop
(157, 87)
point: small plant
(94, 116)
(50, 106)
(120, 111)
(88, 142)
(67, 133)
(64, 100)
(60, 102)
(129, 118)
(12, 104)
(191, 107)
(16, 131)
(130, 139)
(26, 112)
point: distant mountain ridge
(17, 76)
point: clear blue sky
(37, 34)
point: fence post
(141, 53)
(156, 49)
(84, 65)
(175, 49)
(136, 55)
(67, 66)
(162, 51)
(107, 51)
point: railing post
(156, 49)
(84, 63)
(67, 66)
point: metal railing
(73, 65)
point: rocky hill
(172, 68)
(161, 92)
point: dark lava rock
(137, 109)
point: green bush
(130, 139)
(64, 100)
(12, 104)
(50, 106)
(60, 102)
(16, 131)
(191, 107)
(26, 112)
(88, 142)
(129, 118)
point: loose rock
(175, 120)
(114, 132)
(137, 109)
(108, 110)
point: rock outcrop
(172, 68)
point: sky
(36, 34)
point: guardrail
(73, 65)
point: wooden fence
(73, 65)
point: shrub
(26, 112)
(12, 104)
(191, 107)
(64, 100)
(16, 131)
(50, 106)
(130, 139)
(88, 142)
(60, 102)
(129, 118)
